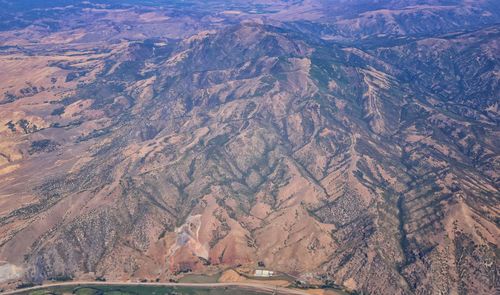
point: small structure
(263, 273)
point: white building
(263, 273)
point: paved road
(254, 286)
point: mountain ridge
(255, 144)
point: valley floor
(152, 288)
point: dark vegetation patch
(61, 278)
(94, 134)
(58, 111)
(26, 126)
(30, 90)
(25, 285)
(129, 71)
(74, 75)
(249, 108)
(44, 145)
(218, 141)
(412, 112)
(64, 65)
(103, 93)
(8, 97)
(11, 126)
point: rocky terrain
(354, 143)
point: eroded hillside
(374, 167)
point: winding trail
(257, 287)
